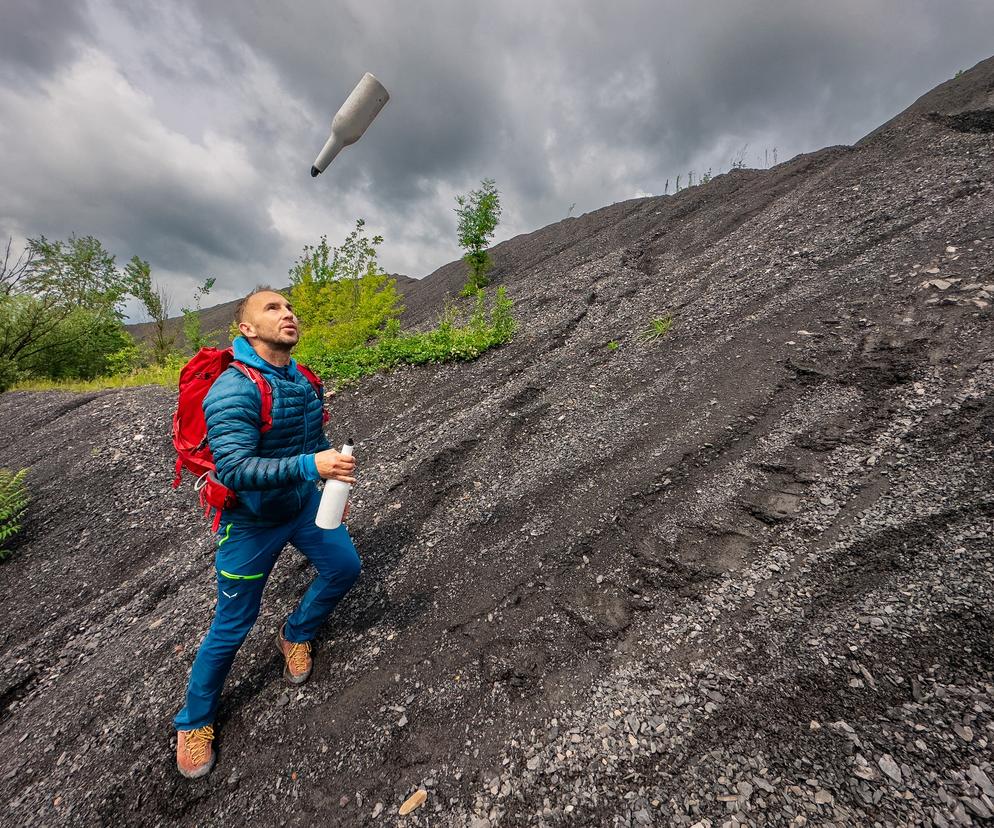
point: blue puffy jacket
(272, 474)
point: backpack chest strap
(266, 409)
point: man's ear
(246, 329)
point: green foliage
(167, 375)
(80, 348)
(479, 213)
(341, 295)
(657, 328)
(320, 265)
(13, 505)
(77, 273)
(132, 357)
(483, 330)
(613, 345)
(155, 301)
(192, 332)
(9, 372)
(60, 309)
(448, 341)
(61, 316)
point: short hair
(240, 307)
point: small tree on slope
(479, 214)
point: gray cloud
(36, 38)
(200, 121)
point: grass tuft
(658, 327)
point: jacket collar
(246, 354)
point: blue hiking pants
(245, 557)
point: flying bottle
(334, 497)
(351, 121)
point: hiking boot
(194, 752)
(297, 657)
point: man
(272, 475)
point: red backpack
(190, 428)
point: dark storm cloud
(443, 75)
(200, 121)
(37, 37)
(476, 89)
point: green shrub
(9, 373)
(13, 505)
(484, 329)
(448, 341)
(127, 360)
(341, 295)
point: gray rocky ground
(737, 575)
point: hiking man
(273, 475)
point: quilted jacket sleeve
(231, 409)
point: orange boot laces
(297, 656)
(197, 742)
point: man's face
(269, 317)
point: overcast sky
(184, 132)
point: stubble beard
(282, 342)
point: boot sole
(199, 772)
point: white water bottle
(334, 498)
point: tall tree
(78, 273)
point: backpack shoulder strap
(318, 387)
(266, 409)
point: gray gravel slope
(740, 574)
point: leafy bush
(483, 330)
(78, 349)
(61, 316)
(340, 294)
(448, 341)
(9, 372)
(13, 505)
(127, 360)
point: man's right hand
(333, 465)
